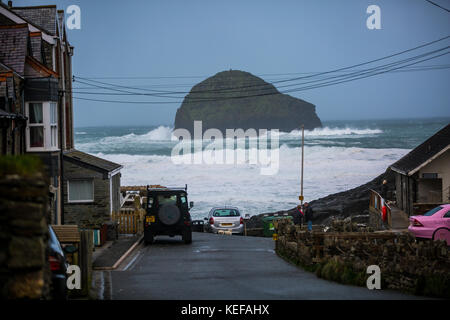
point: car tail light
(187, 223)
(54, 263)
(416, 223)
(211, 220)
(241, 220)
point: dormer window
(42, 129)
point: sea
(339, 156)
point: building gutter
(398, 170)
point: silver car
(225, 218)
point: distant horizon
(442, 118)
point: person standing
(308, 215)
(384, 189)
(298, 215)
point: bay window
(36, 125)
(53, 126)
(42, 129)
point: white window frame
(80, 201)
(47, 125)
(53, 125)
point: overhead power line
(308, 82)
(274, 82)
(190, 85)
(435, 4)
(334, 82)
(119, 92)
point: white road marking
(132, 261)
(102, 286)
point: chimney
(10, 4)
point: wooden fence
(129, 220)
(377, 202)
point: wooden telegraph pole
(303, 159)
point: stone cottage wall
(24, 270)
(92, 214)
(408, 265)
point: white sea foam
(161, 133)
(163, 136)
(327, 170)
(332, 132)
(165, 133)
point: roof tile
(97, 162)
(42, 16)
(13, 47)
(424, 152)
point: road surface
(222, 267)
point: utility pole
(303, 159)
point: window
(36, 124)
(447, 214)
(167, 199)
(42, 130)
(432, 211)
(226, 213)
(80, 190)
(53, 126)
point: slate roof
(91, 160)
(423, 152)
(3, 89)
(13, 46)
(41, 16)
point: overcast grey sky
(141, 38)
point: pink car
(435, 224)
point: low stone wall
(375, 220)
(24, 270)
(419, 267)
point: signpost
(303, 152)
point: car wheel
(60, 290)
(442, 234)
(148, 238)
(187, 236)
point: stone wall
(24, 270)
(90, 214)
(419, 267)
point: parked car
(225, 218)
(167, 213)
(435, 224)
(58, 266)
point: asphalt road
(223, 267)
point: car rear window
(226, 213)
(432, 211)
(167, 199)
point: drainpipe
(61, 187)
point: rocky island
(237, 99)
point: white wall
(441, 166)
